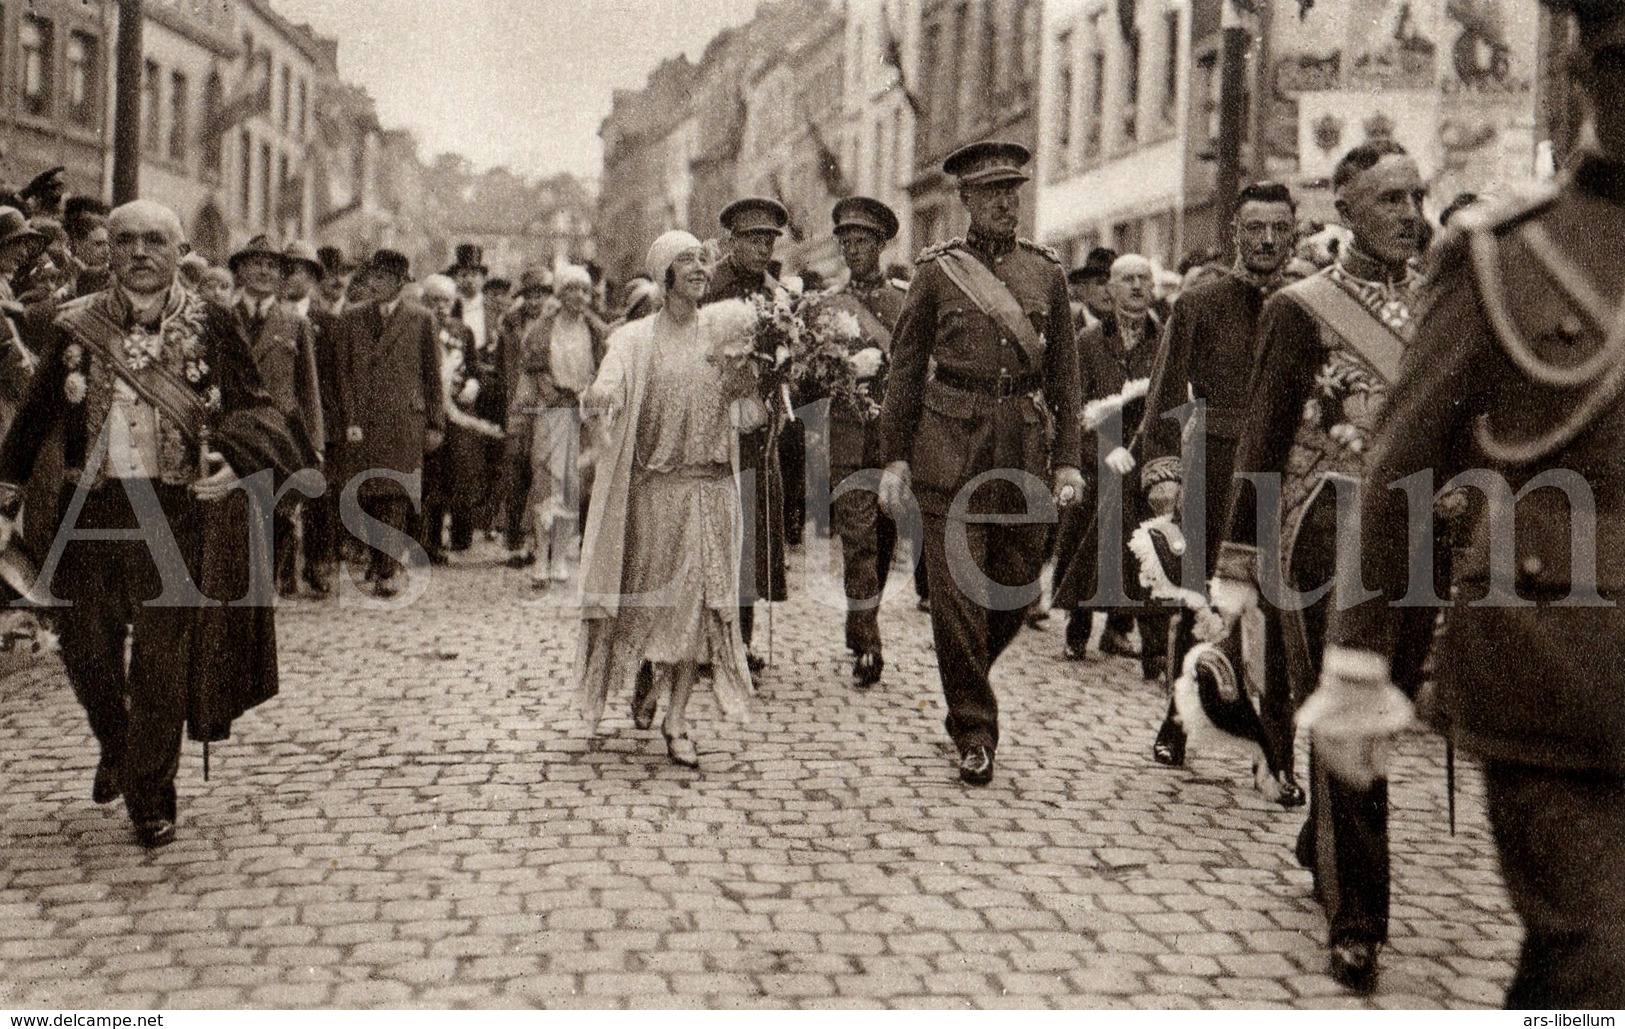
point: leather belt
(1002, 387)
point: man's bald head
(146, 240)
(1132, 285)
(145, 215)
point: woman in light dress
(664, 528)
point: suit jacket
(284, 349)
(389, 386)
(325, 328)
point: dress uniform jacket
(389, 386)
(950, 433)
(1513, 394)
(1538, 681)
(768, 546)
(284, 348)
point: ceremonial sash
(994, 299)
(154, 384)
(1365, 333)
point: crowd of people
(1183, 451)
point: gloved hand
(1068, 486)
(1354, 715)
(1120, 461)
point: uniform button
(1532, 565)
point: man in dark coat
(1511, 398)
(1207, 357)
(863, 227)
(984, 379)
(284, 348)
(754, 225)
(389, 391)
(304, 286)
(1115, 360)
(159, 406)
(1329, 350)
(480, 461)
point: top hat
(14, 226)
(44, 185)
(389, 262)
(754, 214)
(865, 213)
(300, 252)
(470, 256)
(988, 163)
(259, 246)
(497, 285)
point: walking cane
(1450, 781)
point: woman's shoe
(681, 750)
(645, 699)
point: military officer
(754, 226)
(982, 405)
(863, 227)
(1514, 387)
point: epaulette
(1040, 249)
(936, 250)
(1500, 215)
(75, 305)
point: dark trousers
(136, 710)
(516, 485)
(320, 530)
(868, 542)
(1561, 838)
(971, 629)
(793, 462)
(394, 510)
(285, 542)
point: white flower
(72, 355)
(846, 324)
(192, 373)
(212, 398)
(75, 387)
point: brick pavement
(420, 820)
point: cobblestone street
(420, 820)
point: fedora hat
(259, 246)
(14, 227)
(389, 262)
(300, 252)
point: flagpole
(127, 105)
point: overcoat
(389, 387)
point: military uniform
(868, 537)
(964, 398)
(765, 550)
(1517, 370)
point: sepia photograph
(891, 505)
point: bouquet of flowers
(765, 336)
(827, 370)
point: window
(34, 69)
(991, 79)
(246, 185)
(287, 99)
(936, 111)
(213, 152)
(1131, 87)
(152, 114)
(177, 115)
(1028, 17)
(1170, 67)
(1063, 99)
(84, 74)
(266, 202)
(285, 204)
(1097, 91)
(877, 185)
(300, 125)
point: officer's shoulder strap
(936, 250)
(1505, 215)
(1038, 248)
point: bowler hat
(334, 261)
(389, 262)
(300, 252)
(754, 214)
(470, 256)
(989, 162)
(14, 226)
(259, 246)
(865, 213)
(1097, 267)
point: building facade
(55, 109)
(878, 98)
